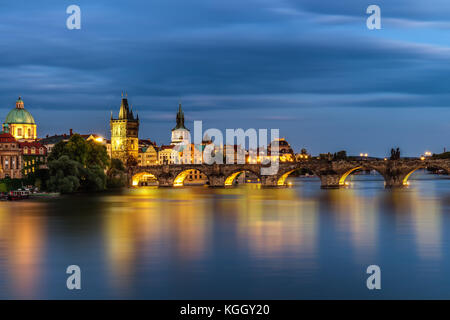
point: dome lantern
(19, 103)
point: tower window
(19, 131)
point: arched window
(29, 132)
(19, 131)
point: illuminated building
(10, 157)
(124, 134)
(94, 137)
(148, 155)
(195, 177)
(20, 123)
(168, 155)
(50, 141)
(34, 156)
(284, 150)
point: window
(29, 132)
(19, 131)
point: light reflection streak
(22, 243)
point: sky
(309, 68)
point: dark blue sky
(310, 68)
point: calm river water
(242, 243)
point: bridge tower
(124, 134)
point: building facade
(34, 156)
(124, 134)
(148, 156)
(10, 157)
(168, 155)
(20, 123)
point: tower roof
(180, 119)
(125, 112)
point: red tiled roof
(7, 137)
(30, 145)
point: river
(247, 242)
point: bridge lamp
(361, 155)
(385, 159)
(422, 158)
(366, 155)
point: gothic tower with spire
(124, 135)
(180, 134)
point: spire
(123, 113)
(126, 111)
(180, 118)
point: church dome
(19, 115)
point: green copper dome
(19, 115)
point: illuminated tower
(180, 134)
(124, 134)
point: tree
(116, 174)
(88, 153)
(96, 155)
(131, 161)
(77, 165)
(57, 151)
(64, 175)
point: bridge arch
(142, 179)
(282, 178)
(182, 175)
(345, 175)
(405, 181)
(229, 180)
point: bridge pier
(394, 182)
(330, 181)
(269, 181)
(166, 180)
(217, 181)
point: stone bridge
(332, 174)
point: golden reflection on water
(278, 223)
(144, 222)
(424, 216)
(22, 243)
(357, 220)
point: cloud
(269, 56)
